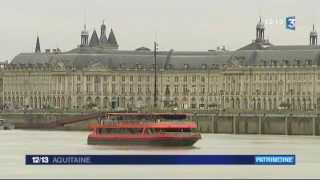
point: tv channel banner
(160, 159)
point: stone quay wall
(278, 124)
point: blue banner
(160, 159)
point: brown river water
(15, 144)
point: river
(15, 144)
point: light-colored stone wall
(238, 89)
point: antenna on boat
(155, 74)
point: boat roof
(157, 115)
(162, 125)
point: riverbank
(278, 124)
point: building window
(203, 89)
(123, 89)
(194, 78)
(185, 89)
(139, 78)
(131, 78)
(105, 88)
(194, 89)
(78, 88)
(176, 79)
(203, 79)
(113, 78)
(88, 88)
(185, 78)
(88, 78)
(97, 79)
(148, 89)
(167, 92)
(113, 90)
(123, 78)
(176, 89)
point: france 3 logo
(291, 23)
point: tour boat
(144, 132)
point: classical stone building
(257, 77)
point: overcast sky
(176, 24)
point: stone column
(234, 125)
(260, 125)
(286, 125)
(313, 126)
(213, 124)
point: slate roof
(94, 41)
(112, 39)
(115, 59)
(37, 49)
(103, 36)
(257, 45)
(85, 57)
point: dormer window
(168, 66)
(186, 66)
(138, 66)
(298, 62)
(265, 63)
(203, 66)
(308, 62)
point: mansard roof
(173, 59)
(257, 45)
(126, 59)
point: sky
(191, 25)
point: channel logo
(291, 23)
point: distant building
(260, 76)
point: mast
(155, 74)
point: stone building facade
(257, 77)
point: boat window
(104, 131)
(151, 131)
(119, 131)
(134, 131)
(186, 130)
(176, 130)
